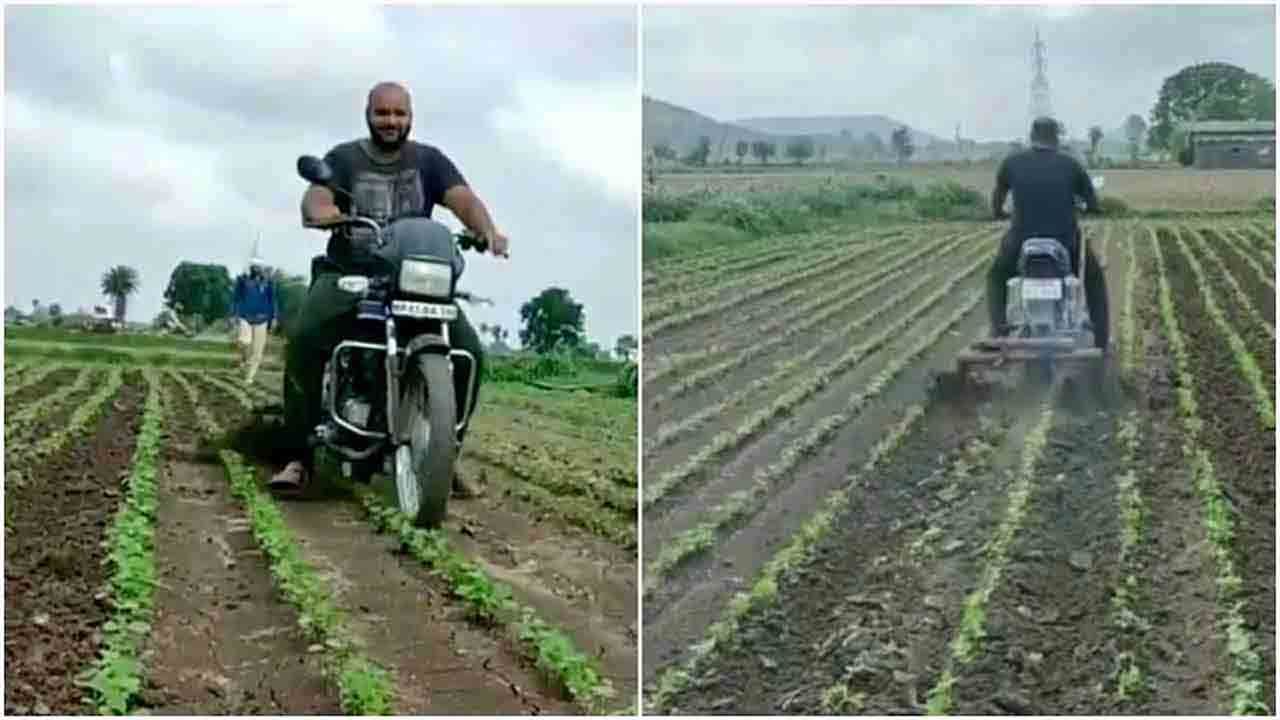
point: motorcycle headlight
(422, 277)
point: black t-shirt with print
(411, 186)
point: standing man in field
(1045, 184)
(255, 309)
(389, 176)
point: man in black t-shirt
(388, 175)
(1045, 184)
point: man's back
(1045, 183)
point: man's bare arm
(468, 207)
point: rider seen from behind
(389, 176)
(1045, 184)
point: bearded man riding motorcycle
(1045, 184)
(388, 175)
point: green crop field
(824, 534)
(148, 571)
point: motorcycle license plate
(1042, 289)
(429, 311)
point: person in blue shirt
(255, 310)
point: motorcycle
(388, 393)
(1047, 312)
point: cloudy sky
(933, 66)
(150, 136)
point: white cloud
(593, 131)
(148, 136)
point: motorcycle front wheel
(424, 465)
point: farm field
(1163, 189)
(825, 533)
(146, 571)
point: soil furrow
(54, 560)
(681, 608)
(222, 642)
(1243, 455)
(36, 384)
(1238, 250)
(733, 468)
(727, 326)
(776, 345)
(1177, 645)
(873, 610)
(827, 381)
(1049, 641)
(1262, 313)
(442, 662)
(1260, 344)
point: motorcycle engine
(360, 390)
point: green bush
(666, 207)
(1267, 203)
(950, 200)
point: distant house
(1218, 144)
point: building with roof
(1231, 145)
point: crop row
(1245, 361)
(801, 304)
(1242, 297)
(80, 419)
(1245, 678)
(578, 495)
(17, 423)
(492, 603)
(115, 679)
(757, 290)
(1237, 244)
(704, 292)
(816, 380)
(968, 639)
(832, 306)
(31, 379)
(364, 687)
(551, 650)
(1129, 666)
(670, 431)
(744, 505)
(718, 260)
(764, 588)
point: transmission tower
(1040, 103)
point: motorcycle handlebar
(465, 239)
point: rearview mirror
(1098, 182)
(314, 170)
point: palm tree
(119, 283)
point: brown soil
(222, 642)
(1243, 455)
(442, 662)
(55, 579)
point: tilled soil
(575, 581)
(442, 662)
(54, 553)
(1243, 455)
(1178, 646)
(1255, 338)
(865, 626)
(1048, 643)
(676, 616)
(22, 394)
(222, 642)
(873, 610)
(1264, 298)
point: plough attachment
(996, 352)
